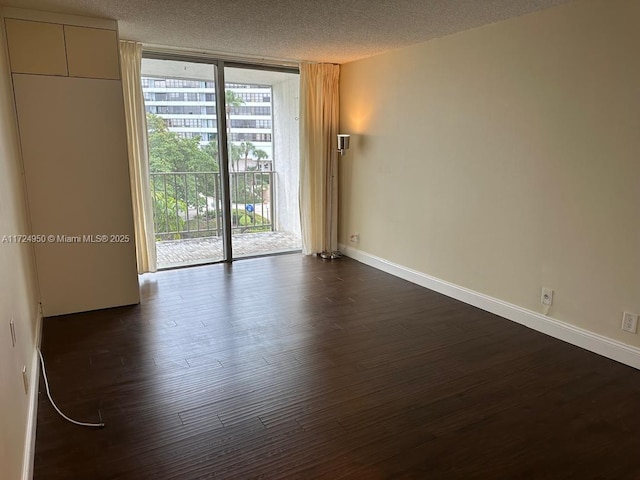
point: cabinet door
(77, 176)
(92, 52)
(36, 47)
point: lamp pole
(343, 145)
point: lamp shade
(343, 142)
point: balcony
(187, 213)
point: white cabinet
(74, 150)
(45, 48)
(36, 47)
(92, 52)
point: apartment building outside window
(188, 109)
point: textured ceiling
(335, 31)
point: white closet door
(75, 160)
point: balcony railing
(189, 204)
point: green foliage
(241, 221)
(249, 188)
(259, 154)
(203, 226)
(167, 215)
(244, 219)
(211, 150)
(247, 150)
(185, 175)
(168, 152)
(249, 223)
(232, 99)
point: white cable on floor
(46, 384)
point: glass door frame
(223, 154)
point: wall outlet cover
(547, 296)
(629, 322)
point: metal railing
(189, 204)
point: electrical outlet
(354, 238)
(629, 322)
(12, 327)
(547, 296)
(25, 379)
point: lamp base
(326, 255)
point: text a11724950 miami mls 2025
(59, 238)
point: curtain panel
(136, 121)
(319, 114)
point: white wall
(18, 297)
(506, 158)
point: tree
(232, 100)
(183, 174)
(168, 152)
(260, 154)
(166, 215)
(211, 149)
(246, 150)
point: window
(185, 170)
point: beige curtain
(136, 120)
(319, 114)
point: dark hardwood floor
(291, 367)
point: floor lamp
(343, 145)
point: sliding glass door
(262, 126)
(223, 162)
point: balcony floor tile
(174, 253)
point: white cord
(46, 384)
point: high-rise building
(189, 109)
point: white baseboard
(32, 418)
(580, 337)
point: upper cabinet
(92, 52)
(36, 47)
(44, 48)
